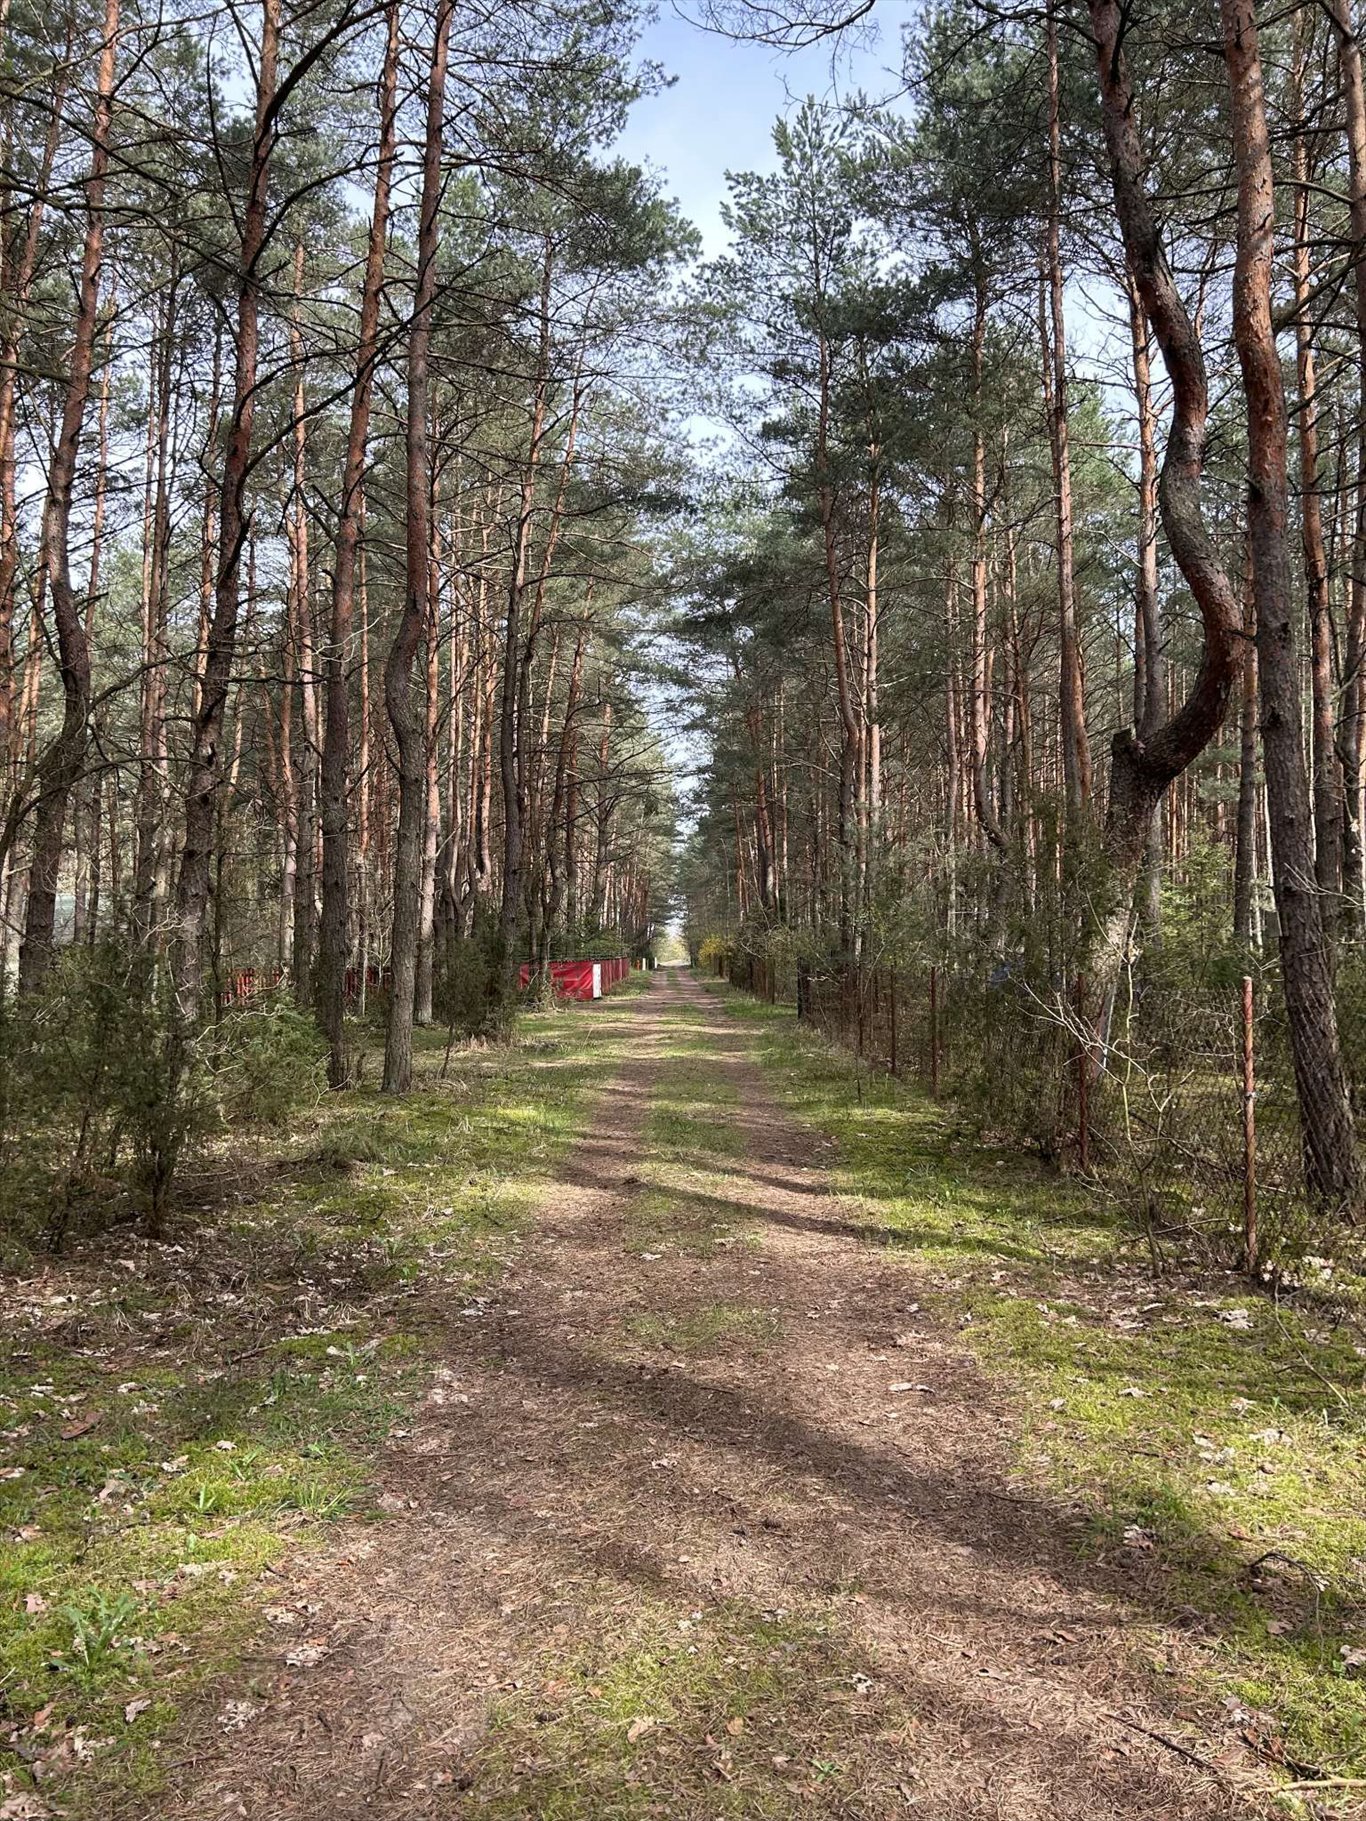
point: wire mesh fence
(1177, 1101)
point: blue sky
(719, 114)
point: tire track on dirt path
(680, 1533)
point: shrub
(104, 1089)
(101, 1091)
(468, 982)
(713, 953)
(268, 1061)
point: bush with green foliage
(267, 1061)
(104, 1089)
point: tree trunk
(510, 758)
(1076, 746)
(1332, 1166)
(18, 283)
(398, 671)
(305, 904)
(980, 691)
(334, 925)
(1150, 660)
(1327, 779)
(1352, 731)
(192, 885)
(1245, 833)
(61, 765)
(1145, 760)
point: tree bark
(1332, 1166)
(333, 929)
(1145, 760)
(193, 881)
(61, 765)
(398, 671)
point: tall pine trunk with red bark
(1332, 1165)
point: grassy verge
(177, 1416)
(1218, 1441)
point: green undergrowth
(720, 1712)
(1217, 1441)
(708, 1328)
(177, 1417)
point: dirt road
(702, 1517)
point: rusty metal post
(1250, 1259)
(934, 1032)
(1083, 1082)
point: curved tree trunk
(1145, 760)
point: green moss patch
(710, 1328)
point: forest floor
(659, 1419)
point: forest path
(702, 1517)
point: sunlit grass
(206, 1429)
(1189, 1414)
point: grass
(727, 1712)
(1218, 1441)
(176, 1416)
(707, 1328)
(689, 1134)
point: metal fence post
(1249, 1130)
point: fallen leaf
(735, 1726)
(34, 1603)
(135, 1707)
(83, 1427)
(304, 1656)
(906, 1385)
(638, 1729)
